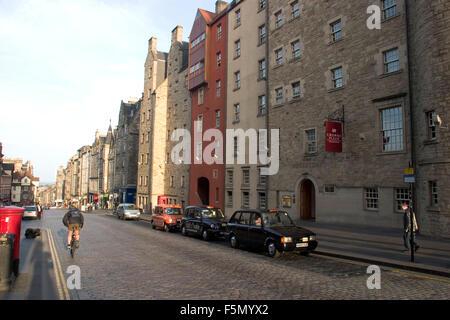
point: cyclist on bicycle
(74, 221)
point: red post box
(10, 223)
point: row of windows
(262, 180)
(245, 200)
(401, 196)
(198, 40)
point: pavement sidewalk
(382, 246)
(374, 245)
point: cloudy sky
(65, 65)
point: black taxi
(207, 222)
(272, 231)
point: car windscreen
(129, 207)
(212, 213)
(30, 209)
(277, 219)
(173, 211)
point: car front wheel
(272, 250)
(205, 235)
(183, 231)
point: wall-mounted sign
(286, 202)
(333, 136)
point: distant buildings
(18, 186)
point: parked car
(167, 217)
(272, 231)
(31, 212)
(207, 222)
(128, 211)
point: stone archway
(307, 200)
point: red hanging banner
(334, 136)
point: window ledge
(336, 89)
(297, 59)
(433, 209)
(371, 210)
(384, 75)
(391, 153)
(294, 100)
(310, 155)
(259, 115)
(431, 141)
(278, 105)
(293, 18)
(236, 57)
(261, 43)
(336, 41)
(277, 66)
(398, 14)
(236, 89)
(236, 121)
(262, 79)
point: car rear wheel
(234, 243)
(166, 228)
(272, 250)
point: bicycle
(73, 247)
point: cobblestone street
(129, 260)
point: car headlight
(305, 239)
(286, 239)
(213, 226)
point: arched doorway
(307, 200)
(203, 190)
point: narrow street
(129, 260)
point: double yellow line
(63, 292)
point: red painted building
(207, 84)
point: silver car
(128, 211)
(31, 212)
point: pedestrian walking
(407, 227)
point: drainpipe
(267, 97)
(411, 109)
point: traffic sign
(409, 178)
(409, 171)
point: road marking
(59, 275)
(420, 276)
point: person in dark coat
(74, 222)
(407, 227)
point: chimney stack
(177, 34)
(152, 44)
(220, 6)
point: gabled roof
(207, 15)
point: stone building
(126, 151)
(60, 183)
(98, 172)
(176, 175)
(152, 126)
(207, 76)
(246, 92)
(429, 49)
(84, 158)
(333, 80)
